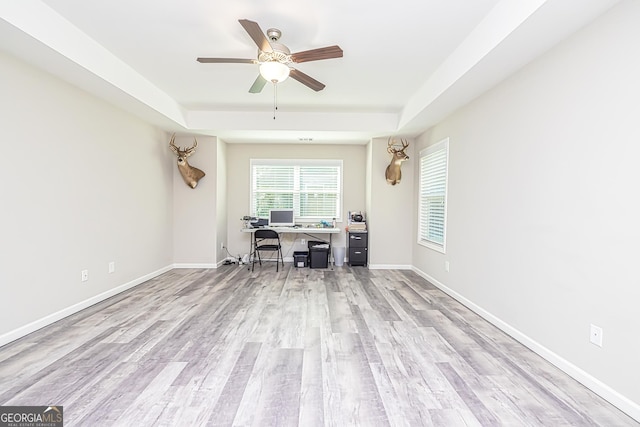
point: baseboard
(390, 267)
(197, 265)
(54, 317)
(618, 400)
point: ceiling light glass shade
(275, 72)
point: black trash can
(300, 258)
(318, 254)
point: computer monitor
(281, 218)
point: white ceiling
(406, 64)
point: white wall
(390, 209)
(543, 231)
(195, 219)
(221, 200)
(83, 184)
(238, 185)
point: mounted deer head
(190, 174)
(393, 172)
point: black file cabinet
(358, 247)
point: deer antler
(390, 146)
(189, 151)
(172, 144)
(179, 151)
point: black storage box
(300, 258)
(318, 254)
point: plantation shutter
(433, 194)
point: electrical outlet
(221, 245)
(303, 241)
(112, 266)
(84, 275)
(446, 266)
(596, 335)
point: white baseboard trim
(58, 315)
(618, 400)
(390, 267)
(197, 265)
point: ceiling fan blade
(328, 52)
(226, 61)
(306, 80)
(258, 84)
(256, 34)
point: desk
(309, 231)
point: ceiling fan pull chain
(275, 99)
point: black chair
(266, 241)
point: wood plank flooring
(307, 347)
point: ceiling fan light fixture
(273, 71)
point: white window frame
(430, 157)
(299, 163)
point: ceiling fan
(275, 59)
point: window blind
(312, 188)
(433, 195)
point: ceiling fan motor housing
(274, 34)
(280, 53)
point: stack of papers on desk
(357, 226)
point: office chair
(267, 241)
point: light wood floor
(299, 347)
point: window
(432, 215)
(313, 188)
